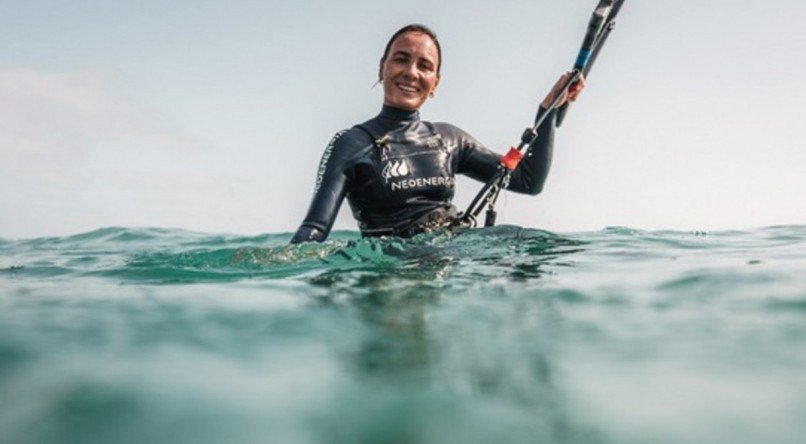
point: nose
(411, 70)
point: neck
(398, 114)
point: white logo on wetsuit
(423, 182)
(395, 169)
(320, 173)
(398, 169)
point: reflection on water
(392, 302)
(436, 366)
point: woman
(397, 171)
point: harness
(441, 217)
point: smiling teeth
(407, 88)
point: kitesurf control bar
(599, 27)
(602, 22)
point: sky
(212, 116)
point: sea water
(498, 335)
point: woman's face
(409, 72)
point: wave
(165, 255)
(180, 256)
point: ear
(380, 70)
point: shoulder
(347, 141)
(453, 133)
(348, 137)
(448, 129)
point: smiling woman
(397, 171)
(416, 48)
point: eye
(426, 65)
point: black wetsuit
(397, 173)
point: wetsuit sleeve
(328, 194)
(481, 164)
(531, 174)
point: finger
(573, 94)
(577, 87)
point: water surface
(501, 335)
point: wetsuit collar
(398, 115)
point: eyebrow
(401, 52)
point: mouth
(410, 89)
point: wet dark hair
(416, 28)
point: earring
(431, 94)
(377, 83)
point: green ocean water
(500, 335)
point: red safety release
(511, 159)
